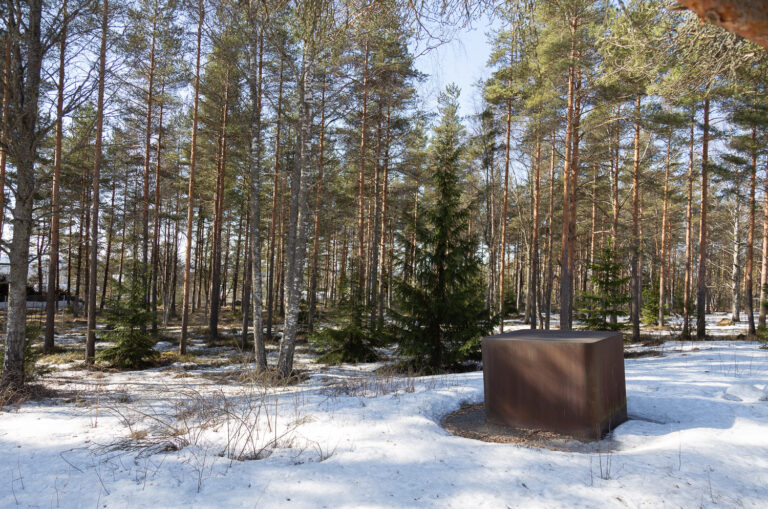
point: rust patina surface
(569, 382)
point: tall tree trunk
(384, 210)
(593, 232)
(53, 261)
(296, 245)
(318, 203)
(109, 248)
(533, 278)
(503, 249)
(550, 238)
(701, 294)
(635, 247)
(567, 251)
(90, 344)
(238, 244)
(5, 126)
(273, 223)
(750, 254)
(764, 262)
(191, 193)
(253, 278)
(156, 226)
(736, 267)
(360, 290)
(147, 150)
(664, 233)
(689, 236)
(616, 168)
(218, 220)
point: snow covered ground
(348, 437)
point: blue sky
(462, 61)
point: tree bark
(567, 251)
(296, 245)
(318, 203)
(109, 248)
(689, 236)
(191, 192)
(360, 290)
(533, 278)
(503, 249)
(156, 218)
(254, 254)
(273, 223)
(701, 294)
(53, 260)
(736, 267)
(147, 151)
(664, 234)
(218, 220)
(750, 254)
(635, 247)
(90, 344)
(550, 238)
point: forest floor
(203, 431)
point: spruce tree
(609, 297)
(441, 311)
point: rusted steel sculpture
(562, 381)
(747, 18)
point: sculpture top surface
(554, 335)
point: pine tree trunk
(109, 248)
(5, 126)
(53, 260)
(550, 238)
(764, 261)
(567, 251)
(384, 210)
(615, 167)
(360, 290)
(689, 237)
(593, 232)
(318, 204)
(235, 273)
(635, 247)
(533, 278)
(147, 149)
(750, 254)
(218, 220)
(736, 267)
(503, 249)
(701, 294)
(271, 272)
(191, 192)
(90, 344)
(664, 227)
(156, 226)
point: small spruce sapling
(609, 296)
(129, 318)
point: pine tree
(441, 314)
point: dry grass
(13, 397)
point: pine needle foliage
(441, 313)
(609, 297)
(129, 319)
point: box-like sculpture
(569, 382)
